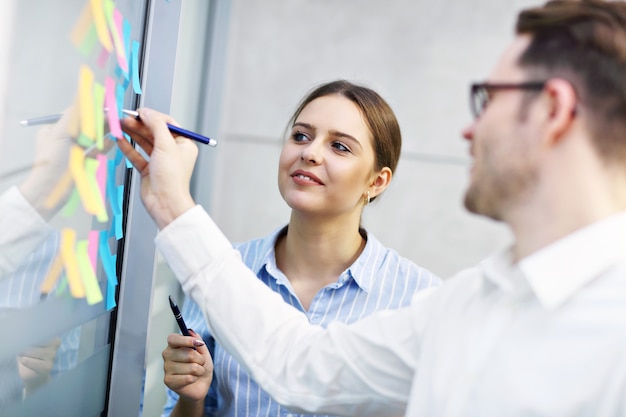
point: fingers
(135, 158)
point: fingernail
(145, 113)
(198, 342)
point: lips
(304, 178)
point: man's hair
(584, 41)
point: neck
(318, 250)
(565, 202)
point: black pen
(179, 318)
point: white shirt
(545, 337)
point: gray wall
(419, 55)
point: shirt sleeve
(23, 230)
(363, 369)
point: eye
(338, 146)
(298, 137)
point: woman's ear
(380, 182)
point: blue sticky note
(135, 67)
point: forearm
(23, 230)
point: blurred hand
(188, 372)
(52, 150)
(36, 363)
(166, 177)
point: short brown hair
(380, 119)
(584, 41)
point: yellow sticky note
(91, 166)
(87, 111)
(53, 275)
(60, 189)
(98, 103)
(68, 242)
(82, 26)
(77, 168)
(97, 10)
(90, 281)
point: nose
(311, 152)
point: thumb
(157, 123)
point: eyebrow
(334, 133)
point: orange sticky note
(53, 275)
(97, 10)
(90, 281)
(87, 111)
(70, 262)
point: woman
(340, 155)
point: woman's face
(327, 163)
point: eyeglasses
(481, 93)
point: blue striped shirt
(379, 279)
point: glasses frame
(480, 93)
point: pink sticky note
(111, 104)
(119, 41)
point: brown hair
(380, 119)
(584, 41)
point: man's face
(501, 141)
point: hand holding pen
(166, 174)
(182, 373)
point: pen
(53, 118)
(179, 130)
(179, 318)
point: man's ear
(562, 102)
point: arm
(300, 365)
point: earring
(367, 198)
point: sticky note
(53, 274)
(96, 194)
(87, 111)
(92, 247)
(89, 42)
(112, 110)
(103, 58)
(135, 67)
(77, 168)
(93, 293)
(97, 10)
(71, 205)
(120, 50)
(98, 103)
(82, 26)
(70, 262)
(60, 189)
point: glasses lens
(480, 97)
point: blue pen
(179, 318)
(178, 130)
(53, 118)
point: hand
(188, 372)
(35, 364)
(166, 177)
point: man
(538, 329)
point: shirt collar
(558, 271)
(357, 271)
